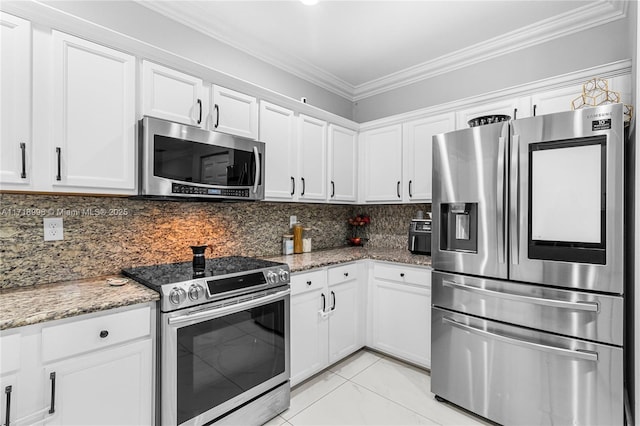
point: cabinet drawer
(308, 281)
(343, 273)
(85, 335)
(9, 353)
(403, 274)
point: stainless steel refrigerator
(528, 282)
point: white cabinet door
(277, 131)
(382, 168)
(15, 92)
(109, 387)
(554, 100)
(401, 312)
(343, 164)
(309, 325)
(514, 108)
(234, 112)
(417, 144)
(346, 303)
(172, 95)
(312, 155)
(94, 117)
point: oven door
(567, 199)
(217, 358)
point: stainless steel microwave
(178, 161)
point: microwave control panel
(177, 188)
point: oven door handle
(207, 314)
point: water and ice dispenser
(459, 227)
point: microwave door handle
(515, 200)
(500, 202)
(256, 154)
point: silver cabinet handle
(578, 305)
(256, 154)
(515, 200)
(500, 198)
(581, 354)
(23, 149)
(206, 314)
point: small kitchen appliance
(420, 236)
(178, 161)
(223, 340)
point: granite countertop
(47, 302)
(318, 259)
(30, 305)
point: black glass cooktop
(171, 273)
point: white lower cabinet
(400, 312)
(326, 318)
(109, 387)
(92, 369)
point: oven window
(221, 358)
(202, 163)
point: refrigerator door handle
(581, 354)
(577, 305)
(515, 200)
(500, 215)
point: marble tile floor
(368, 388)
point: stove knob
(272, 277)
(284, 275)
(195, 291)
(177, 295)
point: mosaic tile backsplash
(102, 235)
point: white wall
(134, 20)
(600, 45)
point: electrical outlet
(292, 220)
(53, 229)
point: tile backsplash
(104, 234)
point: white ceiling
(360, 48)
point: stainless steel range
(223, 340)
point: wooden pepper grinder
(297, 238)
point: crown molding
(292, 64)
(580, 19)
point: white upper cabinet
(277, 131)
(173, 95)
(343, 164)
(382, 164)
(234, 112)
(15, 92)
(94, 118)
(417, 144)
(513, 107)
(312, 155)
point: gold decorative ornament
(596, 92)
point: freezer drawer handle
(578, 305)
(582, 354)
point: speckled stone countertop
(39, 303)
(318, 259)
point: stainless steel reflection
(494, 370)
(606, 277)
(468, 167)
(172, 322)
(590, 316)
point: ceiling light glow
(309, 2)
